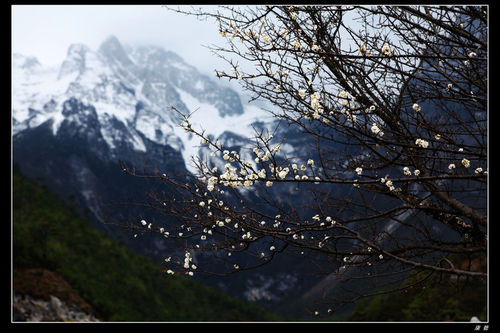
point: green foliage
(439, 298)
(119, 284)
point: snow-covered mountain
(72, 124)
(132, 91)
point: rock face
(27, 308)
(43, 295)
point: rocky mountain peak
(113, 50)
(75, 60)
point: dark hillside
(51, 240)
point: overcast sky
(46, 31)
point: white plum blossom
(422, 143)
(376, 130)
(296, 44)
(451, 166)
(386, 50)
(362, 48)
(359, 170)
(302, 93)
(388, 183)
(465, 162)
(407, 171)
(282, 174)
(315, 103)
(416, 107)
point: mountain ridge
(136, 88)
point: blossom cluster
(386, 50)
(387, 183)
(316, 106)
(247, 175)
(422, 143)
(376, 130)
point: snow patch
(137, 142)
(207, 117)
(121, 113)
